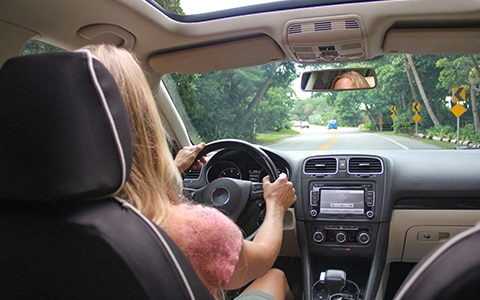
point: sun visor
(227, 55)
(432, 40)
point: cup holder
(333, 285)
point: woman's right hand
(279, 194)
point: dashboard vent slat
(321, 166)
(365, 165)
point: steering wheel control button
(220, 196)
(363, 238)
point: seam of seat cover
(163, 241)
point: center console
(339, 220)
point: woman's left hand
(187, 154)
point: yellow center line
(328, 144)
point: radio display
(342, 201)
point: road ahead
(320, 138)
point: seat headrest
(64, 130)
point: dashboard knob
(341, 237)
(313, 213)
(369, 214)
(363, 238)
(318, 236)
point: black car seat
(452, 271)
(65, 150)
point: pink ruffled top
(210, 240)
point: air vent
(365, 165)
(310, 27)
(192, 173)
(321, 166)
(351, 24)
(342, 35)
(319, 26)
(295, 28)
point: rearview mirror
(338, 80)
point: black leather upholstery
(450, 272)
(65, 149)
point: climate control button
(363, 238)
(341, 237)
(318, 236)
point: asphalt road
(320, 138)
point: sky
(198, 7)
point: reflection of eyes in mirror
(350, 80)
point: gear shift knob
(334, 280)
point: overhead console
(326, 40)
(339, 215)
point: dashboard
(362, 211)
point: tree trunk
(372, 118)
(404, 104)
(473, 91)
(430, 111)
(476, 122)
(261, 91)
(410, 80)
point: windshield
(415, 105)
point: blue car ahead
(332, 124)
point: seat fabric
(65, 151)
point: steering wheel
(241, 200)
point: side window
(36, 46)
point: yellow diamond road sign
(417, 118)
(458, 110)
(393, 116)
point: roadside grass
(273, 136)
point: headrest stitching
(118, 142)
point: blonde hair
(358, 81)
(154, 181)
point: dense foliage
(238, 103)
(398, 87)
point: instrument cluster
(235, 164)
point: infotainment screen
(342, 201)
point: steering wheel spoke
(256, 191)
(241, 200)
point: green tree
(172, 6)
(461, 71)
(35, 46)
(228, 103)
